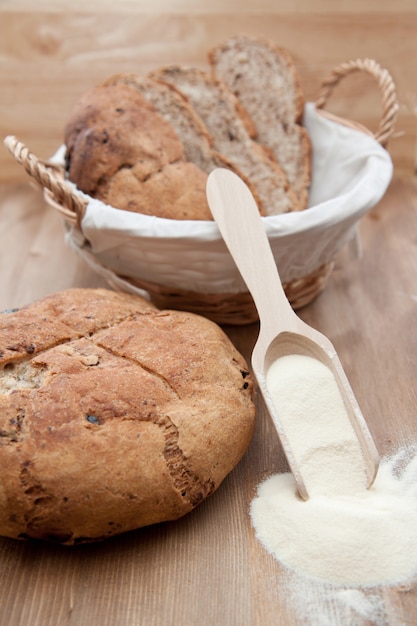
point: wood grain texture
(208, 568)
(218, 7)
(50, 54)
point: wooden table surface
(51, 51)
(207, 568)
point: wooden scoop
(282, 332)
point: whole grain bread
(177, 111)
(113, 415)
(263, 77)
(231, 130)
(120, 150)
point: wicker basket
(224, 308)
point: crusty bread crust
(114, 415)
(263, 77)
(121, 151)
(230, 129)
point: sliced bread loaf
(173, 107)
(121, 151)
(264, 79)
(231, 129)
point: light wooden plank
(48, 60)
(33, 250)
(207, 568)
(218, 7)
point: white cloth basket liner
(350, 174)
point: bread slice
(231, 129)
(264, 78)
(174, 108)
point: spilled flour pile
(364, 539)
(345, 534)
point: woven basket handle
(386, 86)
(48, 176)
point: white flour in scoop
(313, 415)
(344, 534)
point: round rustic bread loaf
(113, 415)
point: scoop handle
(231, 202)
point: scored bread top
(264, 79)
(230, 130)
(114, 415)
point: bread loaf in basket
(181, 261)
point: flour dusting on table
(339, 552)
